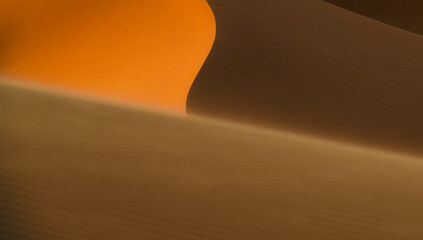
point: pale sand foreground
(77, 169)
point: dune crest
(405, 14)
(76, 169)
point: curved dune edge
(147, 52)
(9, 87)
(77, 169)
(405, 14)
(326, 72)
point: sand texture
(77, 169)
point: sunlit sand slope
(143, 51)
(309, 66)
(76, 169)
(405, 14)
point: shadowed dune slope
(309, 66)
(405, 14)
(74, 169)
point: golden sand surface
(77, 169)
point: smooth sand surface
(142, 51)
(405, 14)
(78, 169)
(309, 66)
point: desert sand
(406, 14)
(143, 51)
(77, 169)
(309, 66)
(306, 122)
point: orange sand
(140, 51)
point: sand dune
(144, 51)
(309, 66)
(73, 168)
(406, 14)
(77, 169)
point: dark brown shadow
(312, 67)
(406, 14)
